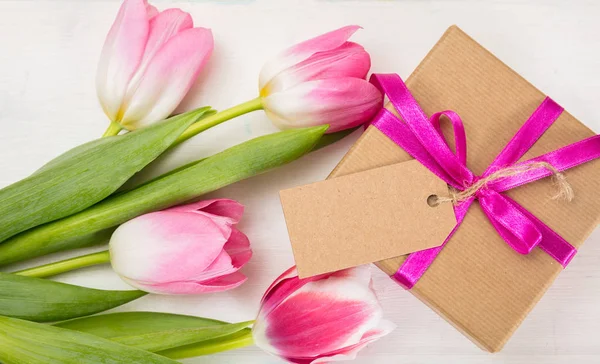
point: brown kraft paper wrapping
(478, 283)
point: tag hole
(433, 201)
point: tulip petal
(121, 54)
(282, 288)
(348, 60)
(222, 265)
(222, 212)
(151, 11)
(163, 27)
(238, 248)
(302, 51)
(321, 324)
(349, 353)
(328, 313)
(288, 274)
(236, 253)
(168, 77)
(224, 283)
(139, 251)
(289, 282)
(342, 103)
(231, 210)
(218, 284)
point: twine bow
(565, 190)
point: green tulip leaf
(24, 342)
(236, 340)
(43, 300)
(242, 161)
(153, 331)
(133, 323)
(85, 175)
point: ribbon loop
(460, 138)
(423, 139)
(420, 126)
(400, 134)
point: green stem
(238, 340)
(113, 129)
(63, 266)
(218, 118)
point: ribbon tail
(552, 243)
(416, 263)
(519, 232)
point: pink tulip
(149, 61)
(183, 250)
(320, 319)
(320, 81)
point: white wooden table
(48, 56)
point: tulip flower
(320, 81)
(186, 249)
(320, 319)
(149, 61)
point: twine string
(565, 190)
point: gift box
(477, 282)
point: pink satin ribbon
(421, 137)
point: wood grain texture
(49, 55)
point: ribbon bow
(422, 138)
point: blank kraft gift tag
(365, 217)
